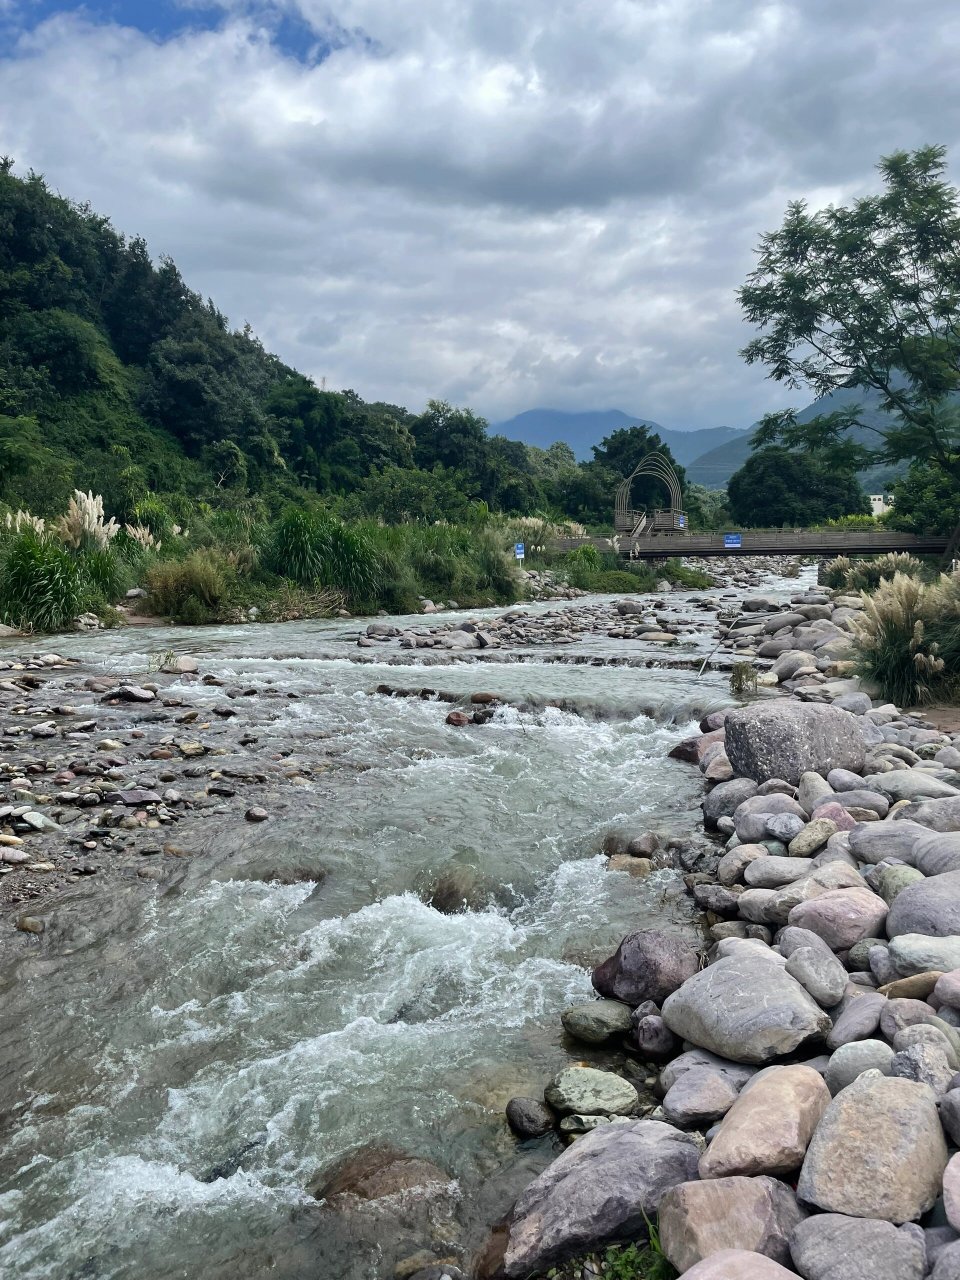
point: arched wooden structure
(638, 522)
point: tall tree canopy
(775, 487)
(868, 296)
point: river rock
(597, 1021)
(738, 1264)
(930, 906)
(947, 1265)
(373, 1172)
(769, 1126)
(910, 784)
(927, 1064)
(878, 1152)
(591, 1093)
(725, 798)
(830, 1246)
(529, 1118)
(950, 1115)
(737, 1072)
(937, 853)
(841, 917)
(857, 1021)
(602, 1189)
(946, 990)
(653, 1038)
(891, 838)
(819, 973)
(744, 1008)
(812, 838)
(701, 1218)
(853, 1059)
(916, 953)
(772, 872)
(938, 815)
(648, 965)
(784, 826)
(698, 1098)
(785, 739)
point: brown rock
(700, 1218)
(917, 987)
(738, 1264)
(372, 1172)
(878, 1152)
(769, 1127)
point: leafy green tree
(399, 494)
(775, 487)
(868, 296)
(925, 501)
(451, 437)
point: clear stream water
(224, 1025)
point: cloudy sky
(506, 203)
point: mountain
(715, 467)
(541, 427)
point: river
(179, 1057)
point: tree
(774, 487)
(868, 296)
(925, 501)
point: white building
(879, 504)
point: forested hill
(116, 376)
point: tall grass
(441, 562)
(193, 590)
(843, 573)
(908, 639)
(316, 550)
(42, 586)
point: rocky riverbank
(787, 1101)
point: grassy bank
(227, 565)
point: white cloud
(503, 204)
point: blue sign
(518, 550)
(682, 521)
(732, 540)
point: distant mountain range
(542, 427)
(710, 455)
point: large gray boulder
(929, 906)
(701, 1218)
(910, 784)
(785, 739)
(745, 1008)
(878, 1152)
(647, 965)
(602, 1189)
(830, 1246)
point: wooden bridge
(657, 535)
(821, 543)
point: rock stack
(800, 1111)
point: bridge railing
(814, 542)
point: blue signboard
(731, 540)
(682, 521)
(518, 550)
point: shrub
(193, 590)
(908, 638)
(868, 574)
(836, 573)
(683, 576)
(151, 513)
(42, 586)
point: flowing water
(179, 1059)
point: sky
(501, 203)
